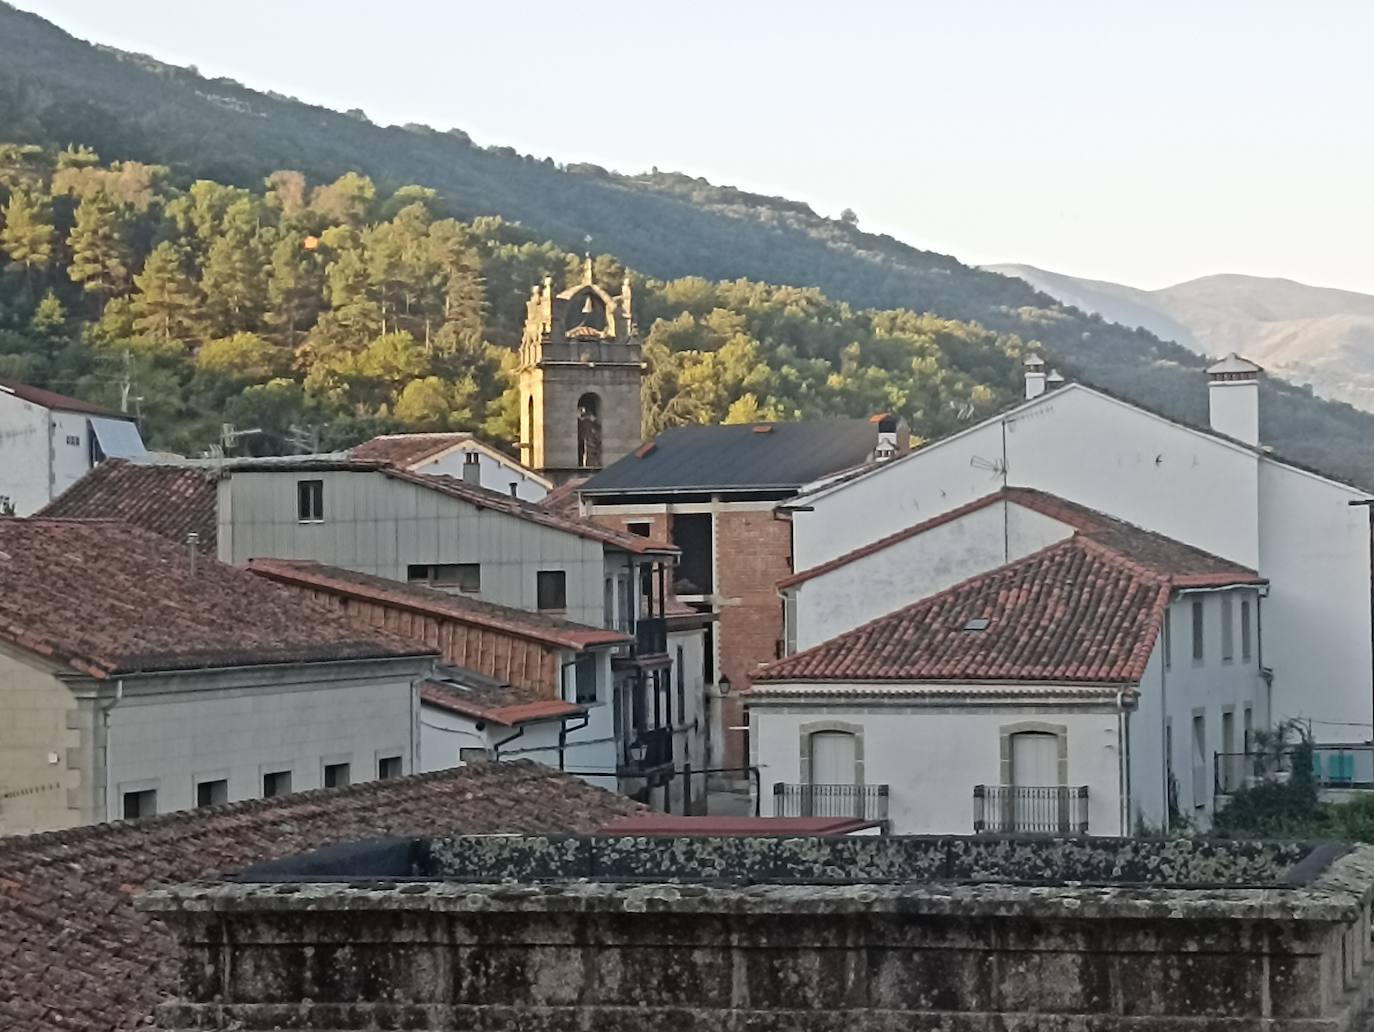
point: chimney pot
(472, 469)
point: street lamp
(638, 750)
(723, 685)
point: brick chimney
(1233, 398)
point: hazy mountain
(1305, 334)
(56, 90)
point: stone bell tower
(580, 371)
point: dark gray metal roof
(742, 457)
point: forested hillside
(302, 309)
(56, 91)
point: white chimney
(1233, 398)
(1035, 376)
(472, 468)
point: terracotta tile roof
(563, 499)
(1074, 612)
(76, 957)
(494, 702)
(473, 694)
(106, 598)
(405, 450)
(1185, 565)
(549, 630)
(53, 400)
(170, 500)
(675, 826)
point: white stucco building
(457, 455)
(136, 680)
(48, 441)
(1218, 490)
(1084, 686)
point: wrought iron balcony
(649, 750)
(1042, 809)
(865, 802)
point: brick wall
(523, 663)
(753, 552)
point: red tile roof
(405, 450)
(1183, 564)
(464, 609)
(563, 499)
(672, 825)
(169, 500)
(53, 400)
(76, 957)
(107, 598)
(1074, 612)
(510, 715)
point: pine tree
(100, 253)
(233, 277)
(295, 286)
(167, 304)
(28, 235)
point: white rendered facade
(1294, 527)
(44, 451)
(930, 744)
(497, 472)
(74, 747)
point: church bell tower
(580, 371)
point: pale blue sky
(1146, 142)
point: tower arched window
(589, 431)
(529, 430)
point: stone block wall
(621, 956)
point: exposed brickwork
(523, 663)
(753, 553)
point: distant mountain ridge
(56, 90)
(1314, 335)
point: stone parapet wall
(556, 954)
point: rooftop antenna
(229, 437)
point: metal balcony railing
(1333, 766)
(1043, 809)
(865, 802)
(658, 750)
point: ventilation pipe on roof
(1035, 376)
(192, 546)
(1233, 398)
